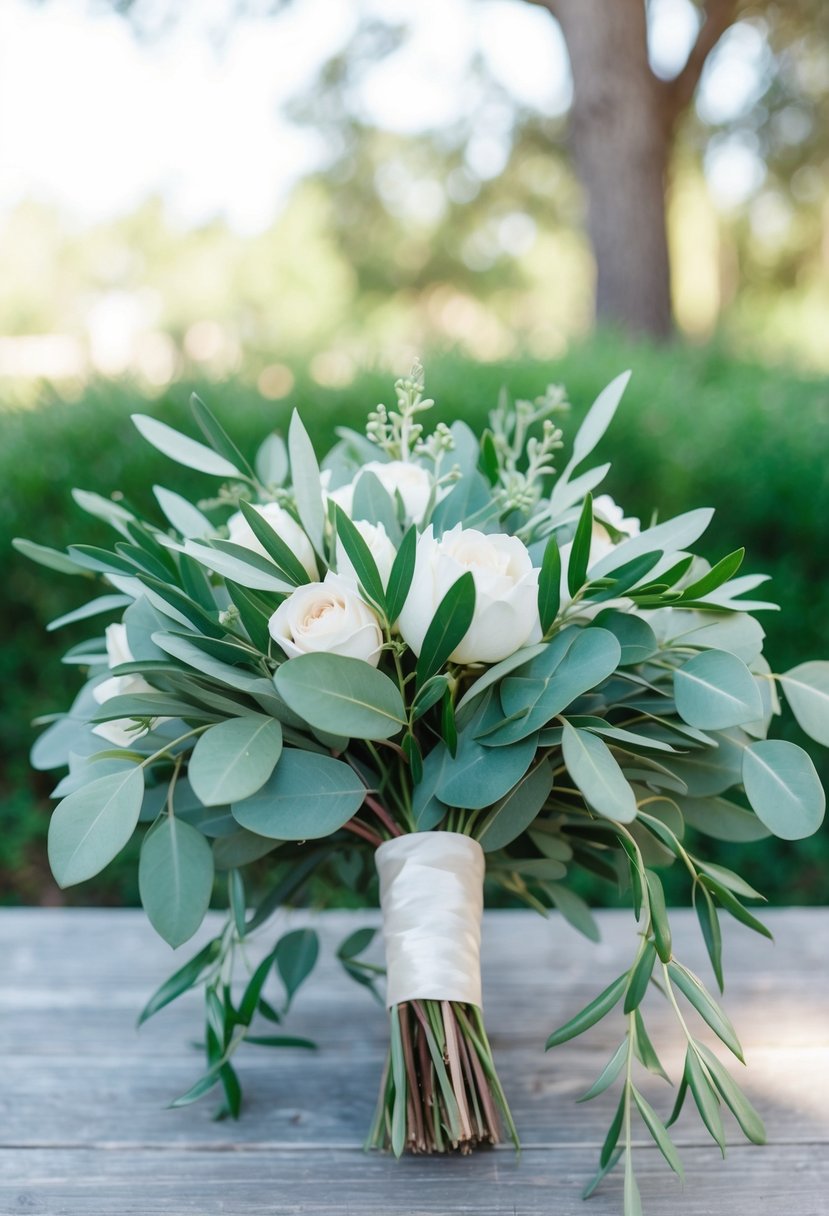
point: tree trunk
(620, 135)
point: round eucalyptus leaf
(234, 759)
(783, 788)
(175, 879)
(341, 695)
(716, 690)
(596, 772)
(307, 796)
(807, 691)
(91, 826)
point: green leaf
(640, 978)
(175, 879)
(671, 536)
(398, 1074)
(182, 980)
(716, 576)
(580, 552)
(722, 820)
(272, 460)
(253, 615)
(341, 695)
(356, 943)
(402, 572)
(296, 954)
(307, 796)
(233, 760)
(574, 910)
(216, 435)
(238, 900)
(733, 905)
(602, 1173)
(645, 1050)
(709, 923)
(517, 810)
(807, 691)
(92, 825)
(202, 1087)
(104, 603)
(695, 991)
(613, 1131)
(681, 1094)
(659, 1132)
(783, 788)
(182, 449)
(53, 559)
(280, 1040)
(497, 672)
(549, 585)
(187, 520)
(597, 774)
(305, 479)
(705, 1097)
(359, 554)
(448, 627)
(373, 503)
(240, 849)
(281, 554)
(659, 916)
(428, 695)
(729, 879)
(244, 566)
(576, 661)
(598, 419)
(591, 1014)
(477, 776)
(715, 690)
(734, 1098)
(608, 1074)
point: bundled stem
(440, 1090)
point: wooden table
(84, 1129)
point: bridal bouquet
(437, 655)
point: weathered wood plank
(81, 1104)
(783, 1182)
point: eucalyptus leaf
(807, 691)
(235, 758)
(307, 796)
(597, 774)
(175, 879)
(517, 809)
(715, 690)
(783, 788)
(91, 826)
(342, 695)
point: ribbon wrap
(431, 894)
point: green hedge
(697, 428)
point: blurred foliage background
(443, 202)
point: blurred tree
(410, 211)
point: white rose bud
(120, 731)
(327, 618)
(379, 546)
(506, 592)
(285, 526)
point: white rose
(379, 546)
(120, 731)
(285, 526)
(506, 592)
(327, 617)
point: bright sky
(94, 120)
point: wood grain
(84, 1129)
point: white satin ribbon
(431, 894)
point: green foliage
(771, 423)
